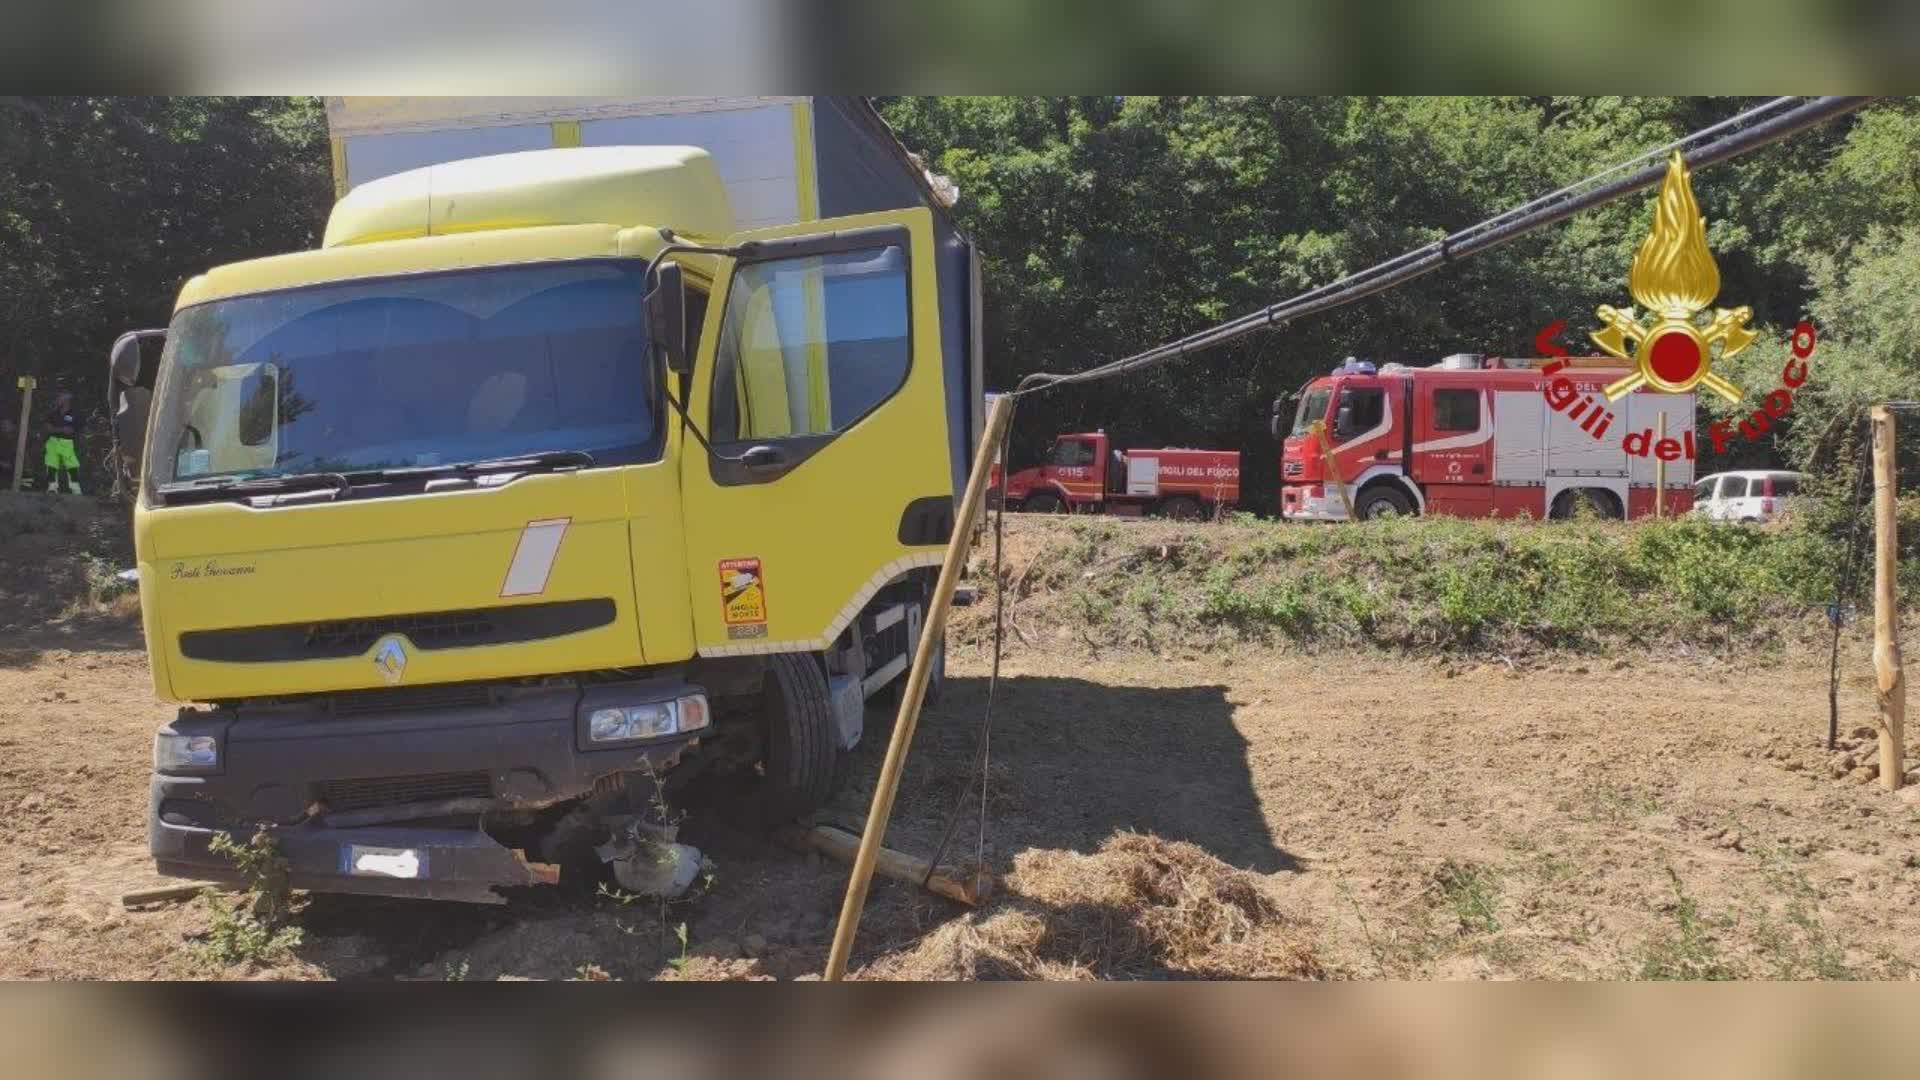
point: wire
(983, 743)
(1847, 581)
(1778, 122)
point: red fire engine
(1477, 436)
(1083, 473)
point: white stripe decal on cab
(533, 557)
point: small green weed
(252, 928)
(1473, 891)
(1690, 949)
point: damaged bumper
(1311, 502)
(387, 795)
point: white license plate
(362, 860)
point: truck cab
(538, 485)
(1345, 421)
(1073, 473)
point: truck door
(819, 383)
(1453, 447)
(1074, 464)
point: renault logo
(391, 660)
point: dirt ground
(1411, 818)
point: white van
(1748, 496)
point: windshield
(1313, 406)
(422, 370)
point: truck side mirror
(124, 361)
(666, 309)
(1343, 421)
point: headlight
(185, 753)
(626, 723)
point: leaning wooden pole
(1319, 434)
(910, 697)
(1890, 678)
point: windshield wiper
(209, 488)
(544, 459)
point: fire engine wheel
(1045, 502)
(1382, 501)
(801, 763)
(1182, 508)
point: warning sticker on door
(743, 598)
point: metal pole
(20, 444)
(1660, 471)
(1888, 673)
(910, 697)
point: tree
(108, 206)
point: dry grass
(1139, 908)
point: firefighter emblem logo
(1674, 278)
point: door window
(1369, 407)
(1733, 487)
(810, 345)
(1072, 453)
(1456, 410)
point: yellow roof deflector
(572, 203)
(673, 187)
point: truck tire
(801, 755)
(1381, 501)
(1044, 502)
(1183, 508)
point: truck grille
(344, 795)
(338, 638)
(409, 698)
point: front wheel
(1045, 502)
(1382, 502)
(800, 766)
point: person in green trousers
(63, 462)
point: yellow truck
(538, 482)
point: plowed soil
(1364, 816)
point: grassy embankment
(1422, 584)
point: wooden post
(1332, 466)
(1660, 471)
(915, 689)
(1886, 617)
(27, 383)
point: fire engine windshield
(422, 370)
(1313, 406)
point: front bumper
(331, 787)
(1311, 502)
